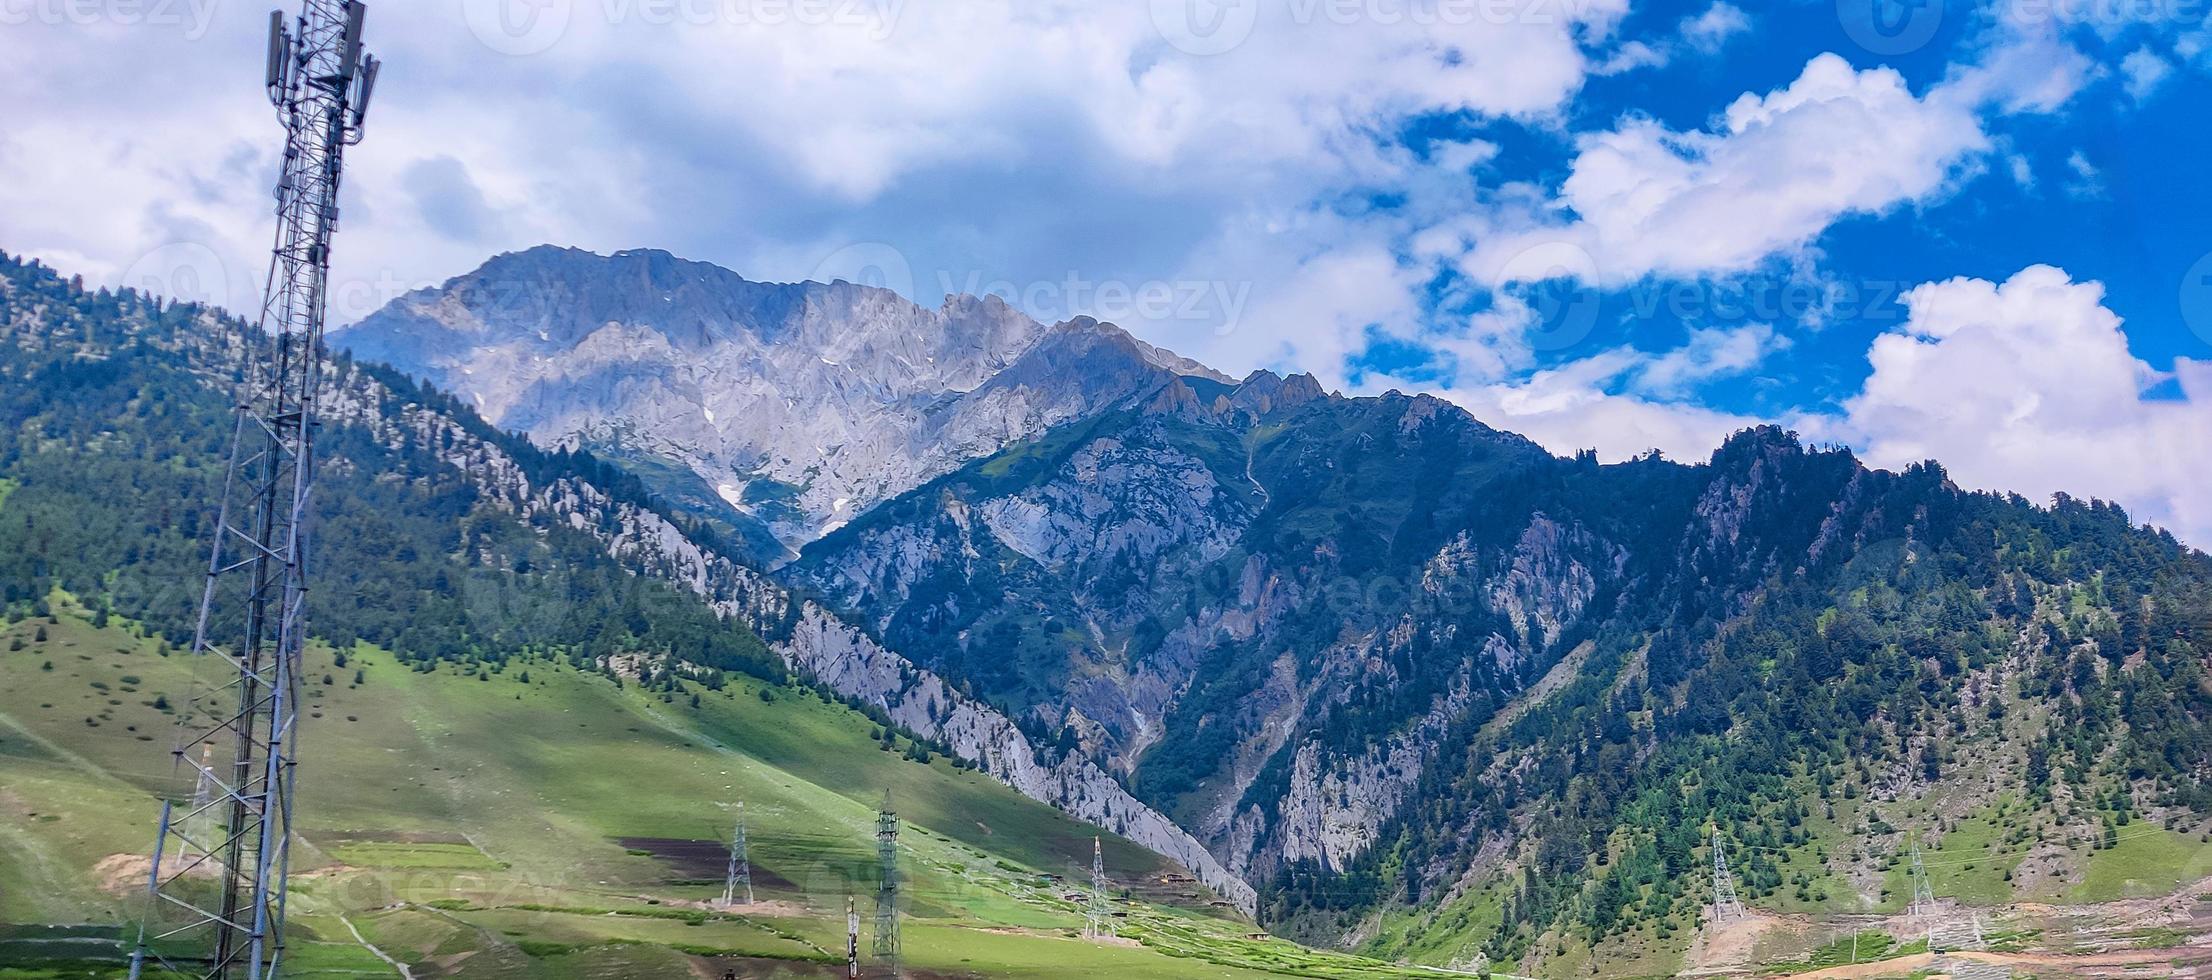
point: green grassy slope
(488, 825)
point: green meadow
(534, 820)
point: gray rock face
(1190, 553)
(817, 644)
(1108, 524)
(920, 701)
(1115, 544)
(798, 405)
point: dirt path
(404, 973)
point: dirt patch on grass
(125, 874)
(1728, 947)
(702, 860)
(752, 968)
(764, 909)
(393, 837)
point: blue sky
(1603, 223)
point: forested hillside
(1442, 696)
(448, 543)
(1449, 694)
(113, 426)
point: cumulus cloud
(1711, 353)
(1704, 33)
(1777, 169)
(2026, 386)
(1711, 29)
(1017, 142)
(1577, 406)
(2029, 386)
(1623, 402)
(2142, 71)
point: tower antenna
(1095, 926)
(852, 938)
(253, 600)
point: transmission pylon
(1726, 906)
(740, 878)
(204, 791)
(216, 898)
(1945, 931)
(1923, 895)
(852, 939)
(1095, 923)
(887, 947)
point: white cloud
(1705, 33)
(2088, 181)
(1623, 402)
(1018, 141)
(1570, 408)
(1710, 30)
(2029, 386)
(1776, 170)
(2142, 71)
(1710, 354)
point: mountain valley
(1394, 683)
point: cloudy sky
(1973, 232)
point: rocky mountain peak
(784, 409)
(1264, 392)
